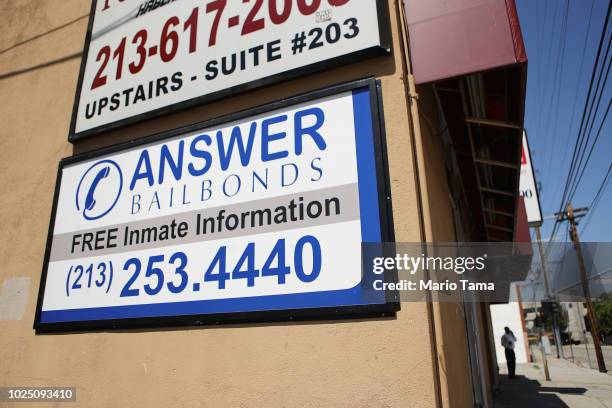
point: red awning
(472, 53)
(453, 38)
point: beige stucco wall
(372, 362)
(449, 319)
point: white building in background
(508, 314)
(576, 326)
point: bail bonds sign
(255, 216)
(150, 57)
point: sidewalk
(584, 355)
(570, 386)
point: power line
(601, 126)
(582, 142)
(579, 138)
(539, 45)
(591, 119)
(549, 142)
(36, 37)
(602, 186)
(541, 38)
(583, 137)
(598, 195)
(545, 87)
(573, 110)
(40, 66)
(558, 66)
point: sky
(557, 84)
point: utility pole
(544, 360)
(522, 312)
(556, 332)
(571, 216)
(542, 330)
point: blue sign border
(376, 226)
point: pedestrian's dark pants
(511, 360)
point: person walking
(508, 340)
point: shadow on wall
(525, 393)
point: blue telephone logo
(99, 189)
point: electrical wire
(539, 45)
(575, 98)
(580, 136)
(549, 48)
(47, 64)
(601, 126)
(586, 111)
(549, 143)
(580, 145)
(591, 119)
(593, 206)
(20, 43)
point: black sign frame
(387, 309)
(377, 51)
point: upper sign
(146, 58)
(528, 187)
(262, 211)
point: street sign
(528, 187)
(258, 215)
(144, 59)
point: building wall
(367, 362)
(490, 370)
(451, 346)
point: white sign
(264, 212)
(528, 187)
(146, 58)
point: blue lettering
(155, 200)
(312, 131)
(202, 154)
(206, 191)
(316, 168)
(264, 183)
(185, 200)
(266, 138)
(139, 174)
(175, 166)
(225, 156)
(135, 204)
(295, 174)
(238, 184)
